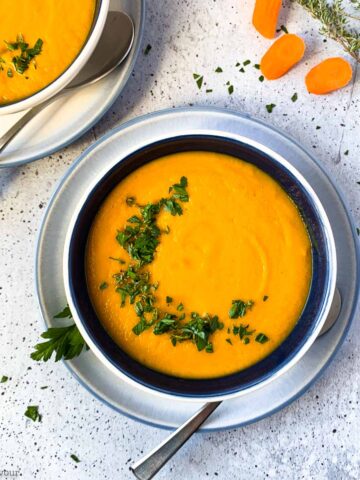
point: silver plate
(69, 117)
(99, 158)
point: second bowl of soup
(200, 267)
(43, 45)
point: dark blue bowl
(294, 346)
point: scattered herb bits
(147, 49)
(32, 412)
(294, 97)
(270, 107)
(239, 308)
(75, 458)
(261, 338)
(199, 79)
(4, 379)
(218, 70)
(103, 285)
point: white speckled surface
(316, 437)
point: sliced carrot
(283, 54)
(265, 17)
(329, 75)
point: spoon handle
(148, 466)
(25, 119)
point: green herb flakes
(230, 89)
(261, 338)
(199, 79)
(32, 412)
(103, 285)
(4, 379)
(75, 458)
(294, 97)
(261, 78)
(147, 49)
(218, 70)
(239, 308)
(169, 300)
(270, 107)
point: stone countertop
(317, 436)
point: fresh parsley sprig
(65, 342)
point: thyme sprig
(335, 23)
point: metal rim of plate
(89, 371)
(123, 73)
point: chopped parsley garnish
(103, 285)
(231, 89)
(261, 78)
(65, 342)
(140, 237)
(228, 340)
(198, 79)
(218, 70)
(10, 73)
(239, 308)
(209, 90)
(242, 70)
(198, 330)
(147, 49)
(247, 62)
(257, 66)
(284, 29)
(180, 307)
(169, 299)
(261, 338)
(270, 107)
(120, 260)
(32, 412)
(27, 54)
(294, 97)
(243, 332)
(4, 379)
(265, 297)
(75, 458)
(346, 152)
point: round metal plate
(99, 158)
(69, 117)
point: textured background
(316, 437)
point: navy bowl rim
(179, 390)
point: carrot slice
(329, 75)
(283, 54)
(265, 17)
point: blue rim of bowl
(101, 113)
(200, 109)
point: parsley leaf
(65, 342)
(239, 308)
(32, 412)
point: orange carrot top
(265, 17)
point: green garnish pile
(26, 54)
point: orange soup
(204, 278)
(39, 40)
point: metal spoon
(113, 47)
(147, 467)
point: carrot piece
(283, 54)
(329, 75)
(265, 16)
